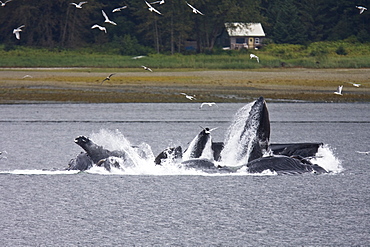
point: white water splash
(136, 155)
(326, 159)
(234, 154)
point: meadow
(339, 54)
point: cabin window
(240, 40)
(257, 40)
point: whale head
(249, 134)
(83, 141)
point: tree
(288, 27)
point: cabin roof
(240, 29)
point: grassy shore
(163, 85)
(285, 73)
(336, 54)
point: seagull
(138, 57)
(355, 84)
(107, 78)
(210, 104)
(339, 90)
(189, 96)
(79, 5)
(195, 11)
(107, 19)
(254, 56)
(17, 31)
(119, 9)
(3, 3)
(366, 153)
(146, 68)
(151, 9)
(361, 8)
(26, 76)
(160, 2)
(207, 130)
(100, 27)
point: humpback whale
(97, 155)
(200, 146)
(249, 134)
(246, 146)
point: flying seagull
(79, 5)
(147, 68)
(107, 78)
(355, 84)
(195, 11)
(254, 56)
(17, 32)
(119, 9)
(189, 97)
(107, 19)
(207, 130)
(210, 104)
(361, 8)
(339, 90)
(26, 76)
(151, 9)
(160, 2)
(100, 27)
(366, 153)
(3, 3)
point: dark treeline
(57, 23)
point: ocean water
(44, 205)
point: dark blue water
(43, 206)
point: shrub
(341, 51)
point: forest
(60, 24)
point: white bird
(107, 19)
(355, 84)
(100, 27)
(17, 32)
(107, 78)
(3, 3)
(151, 9)
(79, 5)
(210, 104)
(138, 57)
(195, 11)
(366, 153)
(146, 68)
(207, 130)
(119, 9)
(254, 56)
(339, 90)
(26, 76)
(189, 97)
(156, 2)
(361, 8)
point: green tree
(288, 27)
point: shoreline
(83, 85)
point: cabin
(245, 35)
